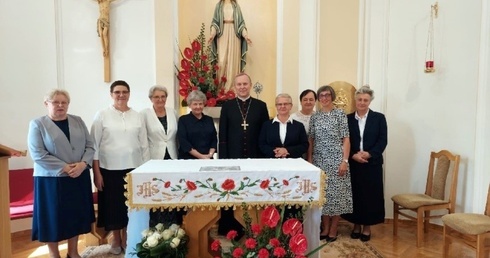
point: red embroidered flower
(264, 184)
(292, 227)
(238, 252)
(279, 252)
(285, 182)
(167, 184)
(191, 185)
(228, 184)
(250, 243)
(255, 229)
(274, 242)
(298, 244)
(270, 216)
(231, 234)
(263, 253)
(215, 245)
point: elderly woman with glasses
(121, 145)
(329, 150)
(62, 150)
(197, 134)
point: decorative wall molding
(60, 66)
(280, 44)
(482, 134)
(308, 47)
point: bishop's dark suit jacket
(296, 141)
(374, 138)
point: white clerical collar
(244, 99)
(290, 120)
(357, 116)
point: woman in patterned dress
(329, 150)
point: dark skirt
(63, 207)
(367, 194)
(113, 212)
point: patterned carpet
(101, 251)
(346, 247)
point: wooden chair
(434, 197)
(468, 228)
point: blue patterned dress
(327, 129)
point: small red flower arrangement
(198, 73)
(272, 238)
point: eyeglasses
(159, 97)
(124, 92)
(282, 104)
(59, 103)
(324, 95)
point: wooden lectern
(5, 241)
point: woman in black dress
(368, 136)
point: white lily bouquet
(159, 242)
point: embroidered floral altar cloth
(220, 183)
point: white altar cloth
(212, 184)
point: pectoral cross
(244, 124)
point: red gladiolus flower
(196, 46)
(194, 74)
(202, 80)
(188, 53)
(279, 252)
(231, 234)
(216, 67)
(216, 81)
(265, 184)
(270, 216)
(211, 101)
(298, 244)
(237, 253)
(292, 227)
(215, 245)
(285, 182)
(250, 243)
(204, 57)
(191, 185)
(263, 253)
(183, 92)
(197, 64)
(228, 184)
(230, 94)
(274, 242)
(255, 229)
(205, 68)
(167, 184)
(186, 65)
(223, 79)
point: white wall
(432, 111)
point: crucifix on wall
(103, 26)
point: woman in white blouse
(120, 146)
(308, 100)
(161, 125)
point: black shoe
(323, 237)
(331, 239)
(365, 238)
(355, 235)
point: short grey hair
(365, 90)
(196, 95)
(284, 95)
(157, 88)
(326, 88)
(50, 94)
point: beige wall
(260, 17)
(338, 46)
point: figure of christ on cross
(103, 24)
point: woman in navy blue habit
(61, 148)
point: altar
(204, 186)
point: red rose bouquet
(272, 238)
(198, 73)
